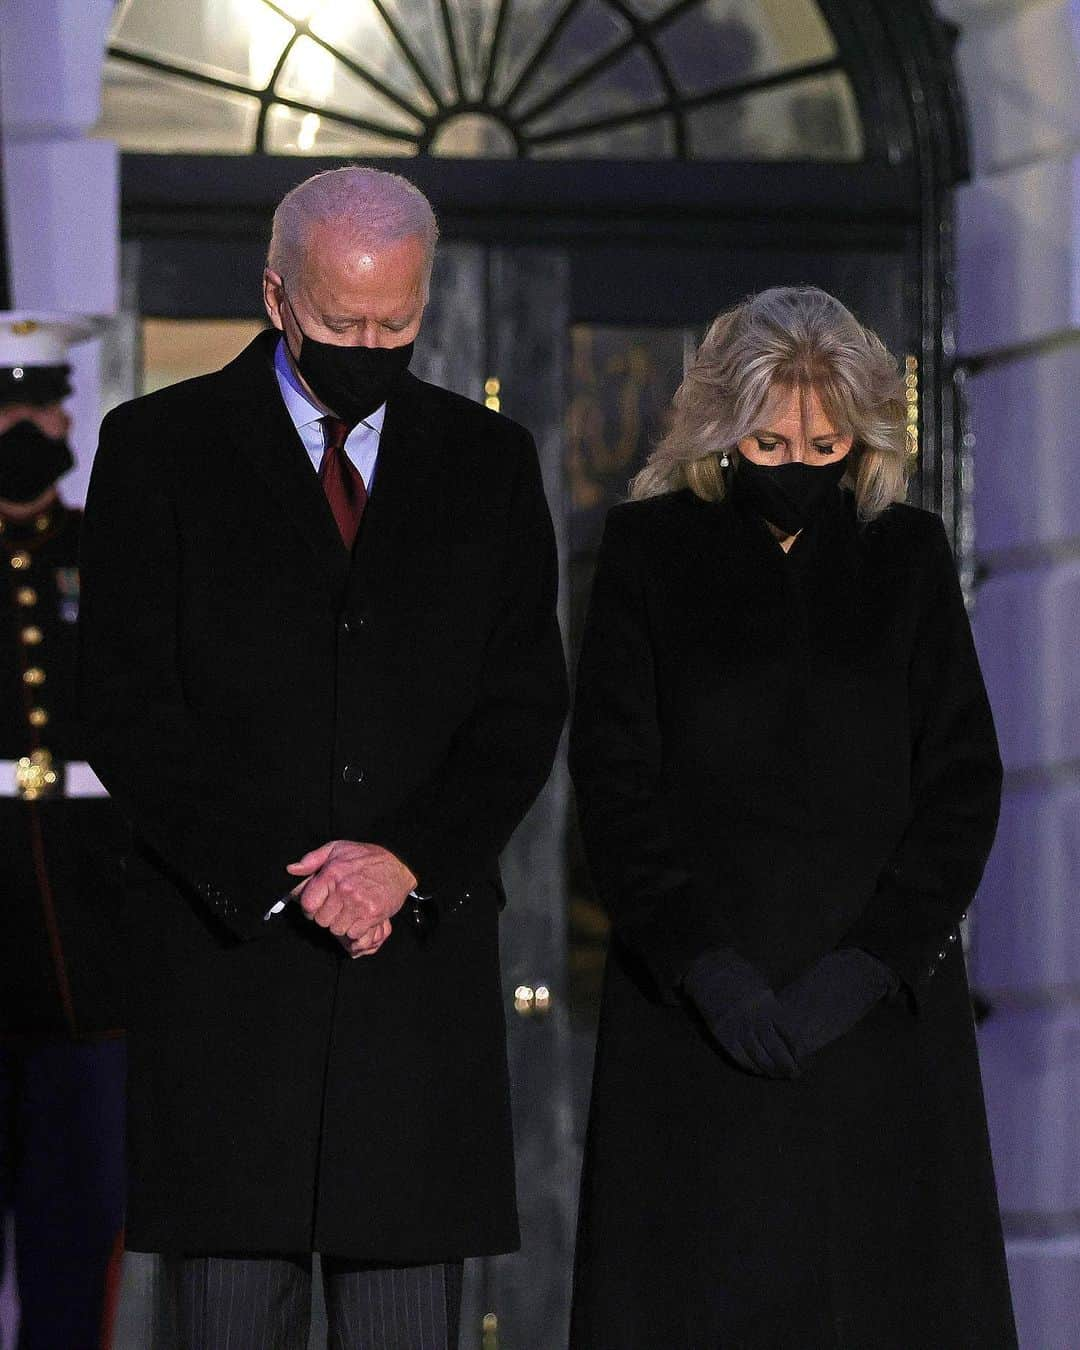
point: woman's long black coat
(780, 753)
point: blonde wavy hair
(789, 337)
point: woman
(788, 784)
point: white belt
(77, 777)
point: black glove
(741, 1011)
(831, 997)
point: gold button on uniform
(37, 717)
(34, 675)
(20, 561)
(35, 776)
(30, 636)
(42, 523)
(26, 596)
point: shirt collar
(298, 403)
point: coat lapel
(402, 534)
(259, 425)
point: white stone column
(1019, 291)
(61, 188)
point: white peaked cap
(29, 338)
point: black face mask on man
(30, 462)
(788, 496)
(352, 381)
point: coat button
(942, 954)
(20, 561)
(352, 773)
(353, 624)
(26, 596)
(33, 676)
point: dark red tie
(341, 480)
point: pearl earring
(725, 462)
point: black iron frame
(507, 110)
(908, 50)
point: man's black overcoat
(249, 694)
(782, 753)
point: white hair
(376, 207)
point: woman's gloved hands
(832, 997)
(742, 1013)
(772, 1034)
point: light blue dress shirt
(361, 444)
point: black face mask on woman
(353, 381)
(788, 496)
(30, 462)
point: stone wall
(61, 188)
(1018, 261)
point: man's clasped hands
(352, 890)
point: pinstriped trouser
(264, 1303)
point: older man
(325, 696)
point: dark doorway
(573, 280)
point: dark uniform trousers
(62, 1178)
(264, 1303)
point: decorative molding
(1027, 558)
(1064, 773)
(1021, 1225)
(977, 362)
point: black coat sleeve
(911, 920)
(198, 808)
(616, 755)
(453, 829)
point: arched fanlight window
(577, 79)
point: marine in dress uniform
(61, 1053)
